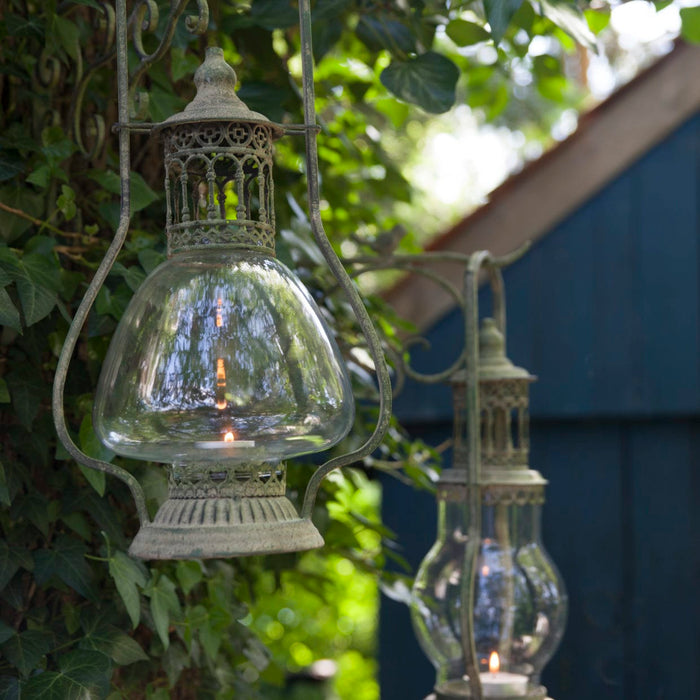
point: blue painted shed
(605, 309)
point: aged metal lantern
(488, 606)
(222, 365)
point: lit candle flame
(494, 662)
(221, 384)
(229, 437)
(220, 372)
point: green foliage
(80, 618)
(690, 24)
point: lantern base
(432, 696)
(459, 691)
(219, 528)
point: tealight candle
(500, 684)
(229, 444)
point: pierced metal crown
(218, 167)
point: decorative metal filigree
(226, 481)
(494, 494)
(219, 186)
(85, 123)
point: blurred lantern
(487, 600)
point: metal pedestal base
(432, 696)
(207, 528)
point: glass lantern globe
(222, 355)
(519, 599)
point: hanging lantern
(500, 596)
(222, 366)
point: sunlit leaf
(465, 33)
(428, 80)
(499, 13)
(568, 17)
(597, 20)
(690, 24)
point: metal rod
(473, 463)
(98, 280)
(358, 307)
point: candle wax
(500, 684)
(223, 445)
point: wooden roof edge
(532, 201)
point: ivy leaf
(26, 650)
(9, 314)
(92, 447)
(24, 200)
(26, 389)
(141, 194)
(150, 259)
(274, 14)
(133, 276)
(597, 20)
(66, 559)
(465, 33)
(328, 9)
(38, 286)
(8, 565)
(83, 674)
(128, 576)
(164, 602)
(428, 80)
(381, 32)
(5, 632)
(568, 17)
(9, 688)
(325, 36)
(690, 24)
(174, 661)
(182, 63)
(499, 13)
(189, 574)
(4, 490)
(112, 642)
(11, 165)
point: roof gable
(530, 203)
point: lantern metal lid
(216, 98)
(504, 420)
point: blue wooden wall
(605, 309)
